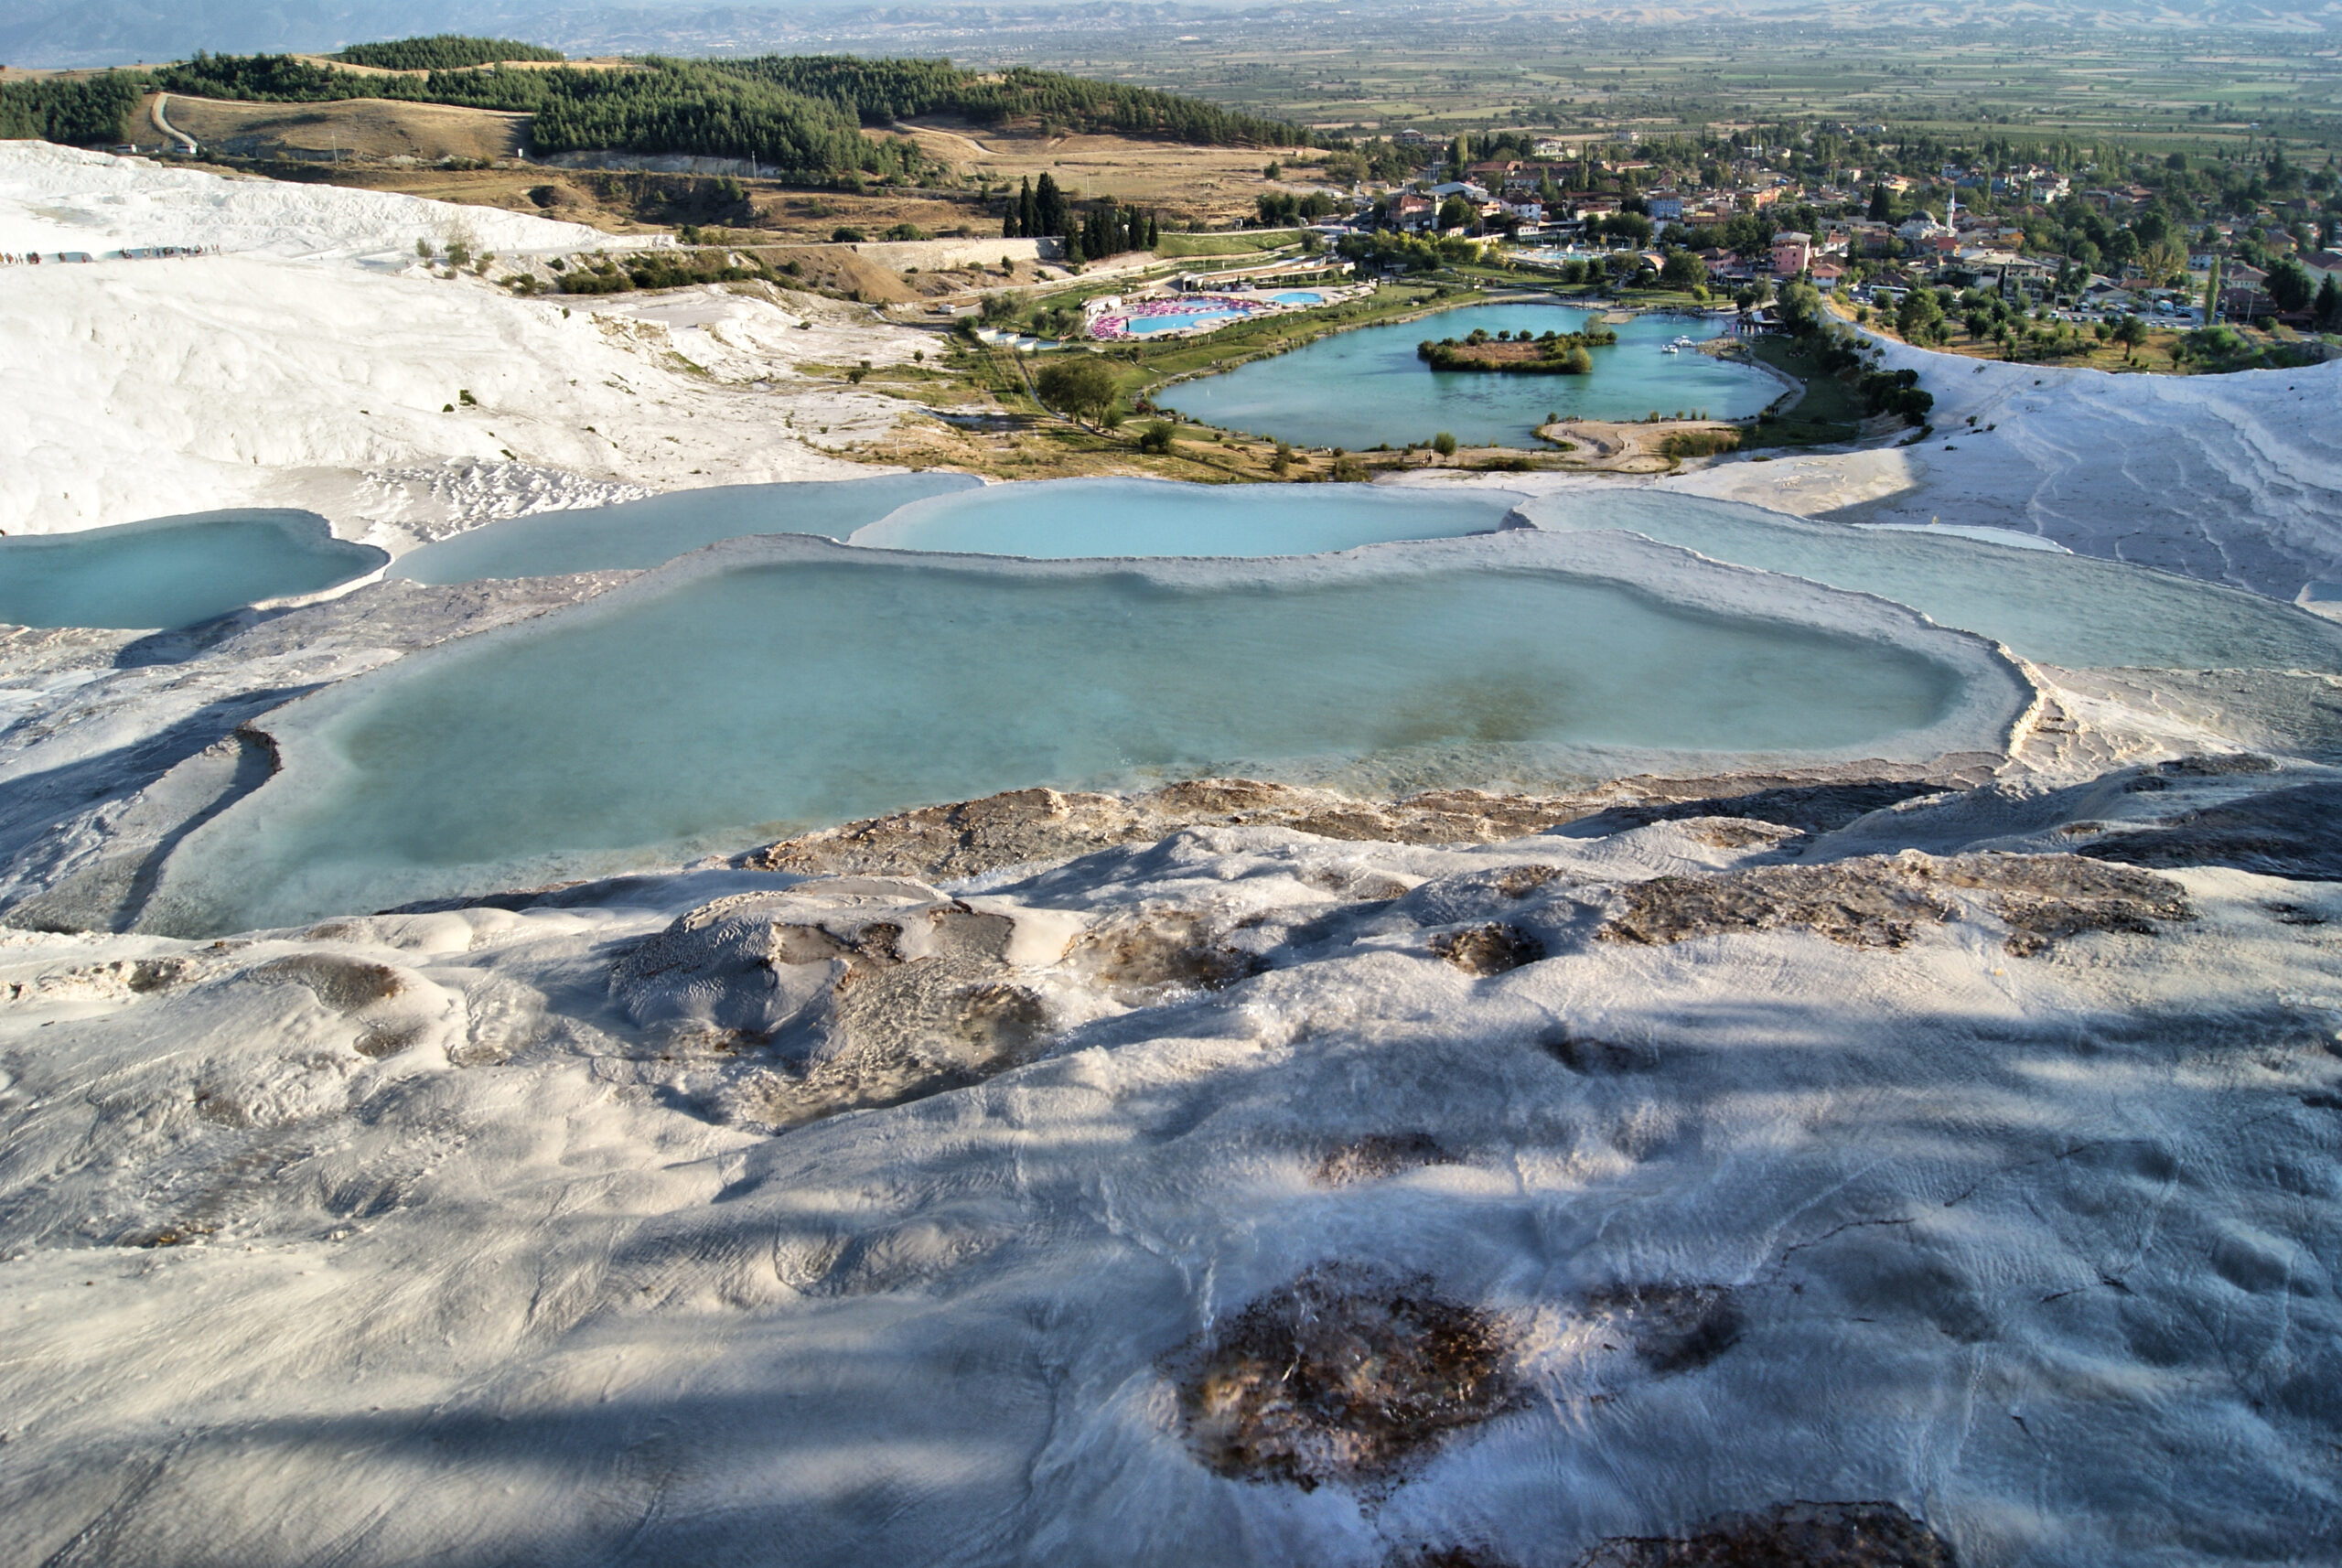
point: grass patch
(1701, 442)
(1244, 242)
(1831, 412)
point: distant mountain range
(58, 33)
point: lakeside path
(1616, 446)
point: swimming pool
(1174, 313)
(1143, 326)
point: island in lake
(1550, 354)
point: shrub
(1157, 437)
(1701, 442)
(1444, 443)
(1895, 391)
(844, 235)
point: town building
(1793, 254)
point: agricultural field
(2166, 90)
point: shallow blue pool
(1065, 519)
(174, 570)
(650, 532)
(1299, 296)
(780, 684)
(2047, 604)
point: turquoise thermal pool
(2044, 604)
(174, 570)
(650, 532)
(772, 685)
(1060, 518)
(1362, 388)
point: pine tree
(1028, 210)
(2328, 310)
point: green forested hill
(442, 51)
(879, 90)
(79, 111)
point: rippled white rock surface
(2234, 478)
(1899, 1180)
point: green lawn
(1243, 242)
(1830, 412)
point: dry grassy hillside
(1209, 183)
(364, 130)
(456, 154)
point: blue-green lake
(1359, 389)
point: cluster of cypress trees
(1038, 210)
(1108, 228)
